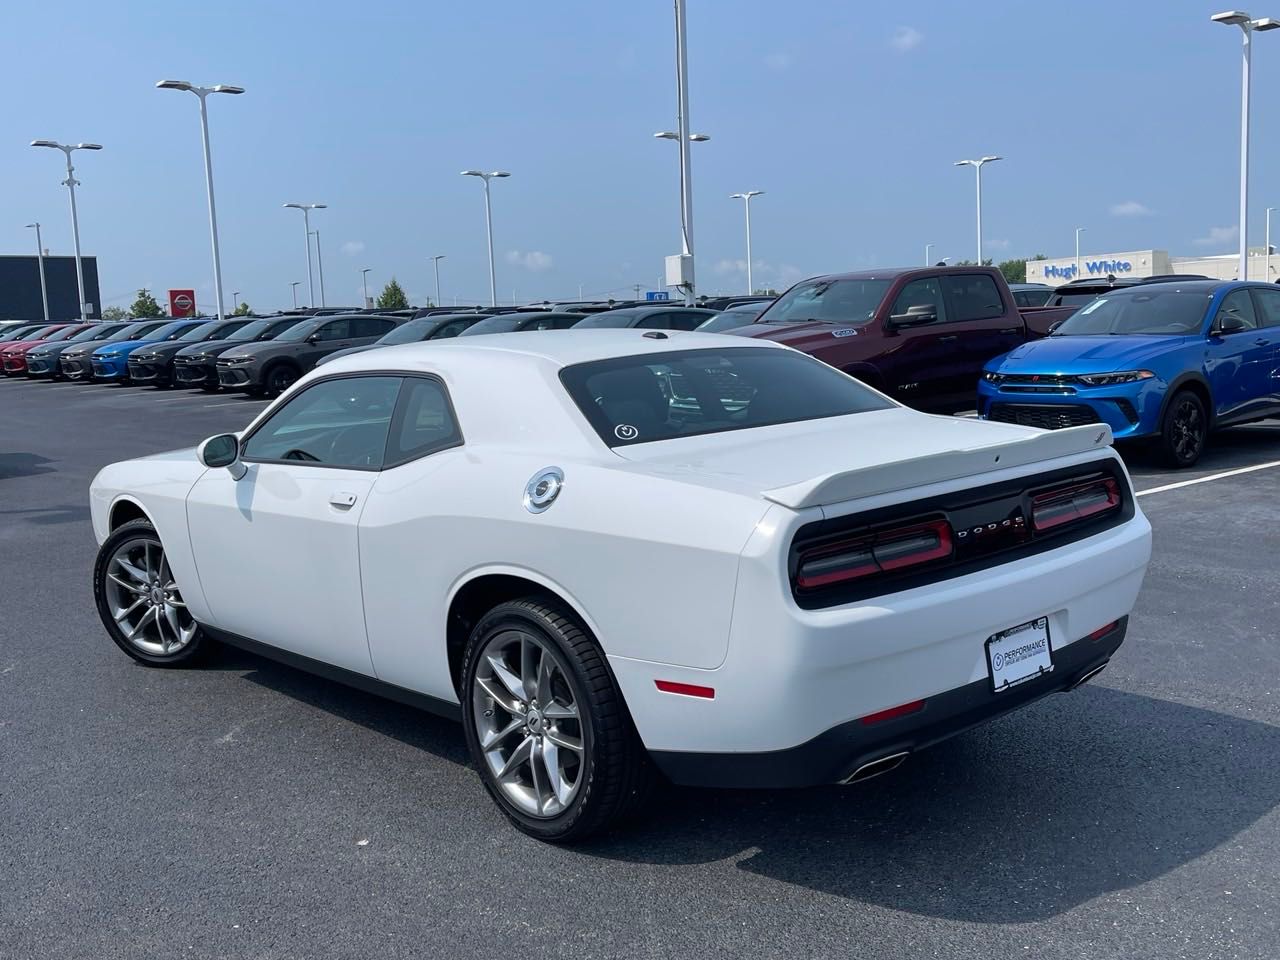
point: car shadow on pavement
(1015, 822)
(23, 465)
(1227, 449)
(49, 516)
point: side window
(451, 329)
(336, 423)
(1268, 307)
(687, 320)
(921, 294)
(424, 422)
(335, 330)
(1239, 304)
(564, 323)
(657, 321)
(974, 296)
(371, 326)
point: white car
(617, 552)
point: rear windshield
(1153, 312)
(848, 302)
(684, 393)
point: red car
(14, 355)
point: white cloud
(730, 266)
(905, 39)
(995, 244)
(353, 248)
(778, 61)
(1218, 237)
(1130, 208)
(533, 260)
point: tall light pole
(435, 262)
(235, 300)
(364, 278)
(977, 169)
(1247, 26)
(44, 292)
(927, 260)
(1267, 276)
(488, 222)
(306, 209)
(71, 183)
(320, 265)
(1079, 230)
(294, 286)
(746, 202)
(203, 93)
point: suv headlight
(240, 359)
(113, 355)
(1110, 379)
(991, 376)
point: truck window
(921, 293)
(974, 296)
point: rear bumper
(837, 753)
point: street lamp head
(174, 85)
(500, 173)
(963, 163)
(989, 159)
(667, 135)
(30, 225)
(1237, 17)
(88, 146)
(226, 88)
(698, 138)
(1266, 23)
(472, 173)
(46, 143)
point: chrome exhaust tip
(1089, 676)
(876, 767)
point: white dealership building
(1150, 263)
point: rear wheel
(1184, 430)
(547, 726)
(140, 602)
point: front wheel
(279, 379)
(1184, 430)
(140, 602)
(547, 726)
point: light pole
(294, 286)
(488, 222)
(1266, 276)
(977, 169)
(1247, 26)
(306, 209)
(746, 202)
(927, 247)
(235, 300)
(320, 264)
(435, 263)
(686, 191)
(1079, 230)
(71, 183)
(203, 93)
(44, 292)
(364, 278)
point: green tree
(244, 310)
(392, 297)
(1015, 271)
(972, 263)
(114, 313)
(145, 305)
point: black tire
(279, 377)
(1184, 430)
(195, 649)
(616, 776)
(208, 387)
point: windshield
(1149, 313)
(202, 331)
(249, 331)
(659, 396)
(169, 331)
(1074, 299)
(414, 331)
(830, 301)
(135, 330)
(492, 325)
(610, 318)
(99, 332)
(63, 334)
(300, 331)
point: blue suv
(1169, 361)
(111, 360)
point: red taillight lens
(887, 550)
(1069, 504)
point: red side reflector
(685, 689)
(1103, 631)
(893, 712)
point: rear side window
(1268, 307)
(661, 396)
(451, 329)
(371, 326)
(688, 319)
(335, 330)
(656, 321)
(424, 422)
(974, 296)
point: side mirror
(1055, 325)
(918, 315)
(1229, 323)
(314, 338)
(223, 451)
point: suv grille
(1046, 416)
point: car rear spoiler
(949, 465)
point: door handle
(1261, 342)
(343, 500)
(952, 338)
(1011, 330)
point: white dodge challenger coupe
(618, 553)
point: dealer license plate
(1019, 654)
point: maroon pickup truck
(920, 335)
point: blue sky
(1122, 118)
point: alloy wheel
(1188, 430)
(528, 723)
(144, 599)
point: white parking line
(1212, 476)
(245, 404)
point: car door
(329, 337)
(1267, 301)
(983, 325)
(1238, 360)
(277, 551)
(919, 356)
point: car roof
(1192, 285)
(561, 348)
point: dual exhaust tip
(894, 760)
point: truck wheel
(1183, 429)
(547, 726)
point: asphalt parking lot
(250, 810)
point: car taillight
(1076, 502)
(880, 552)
